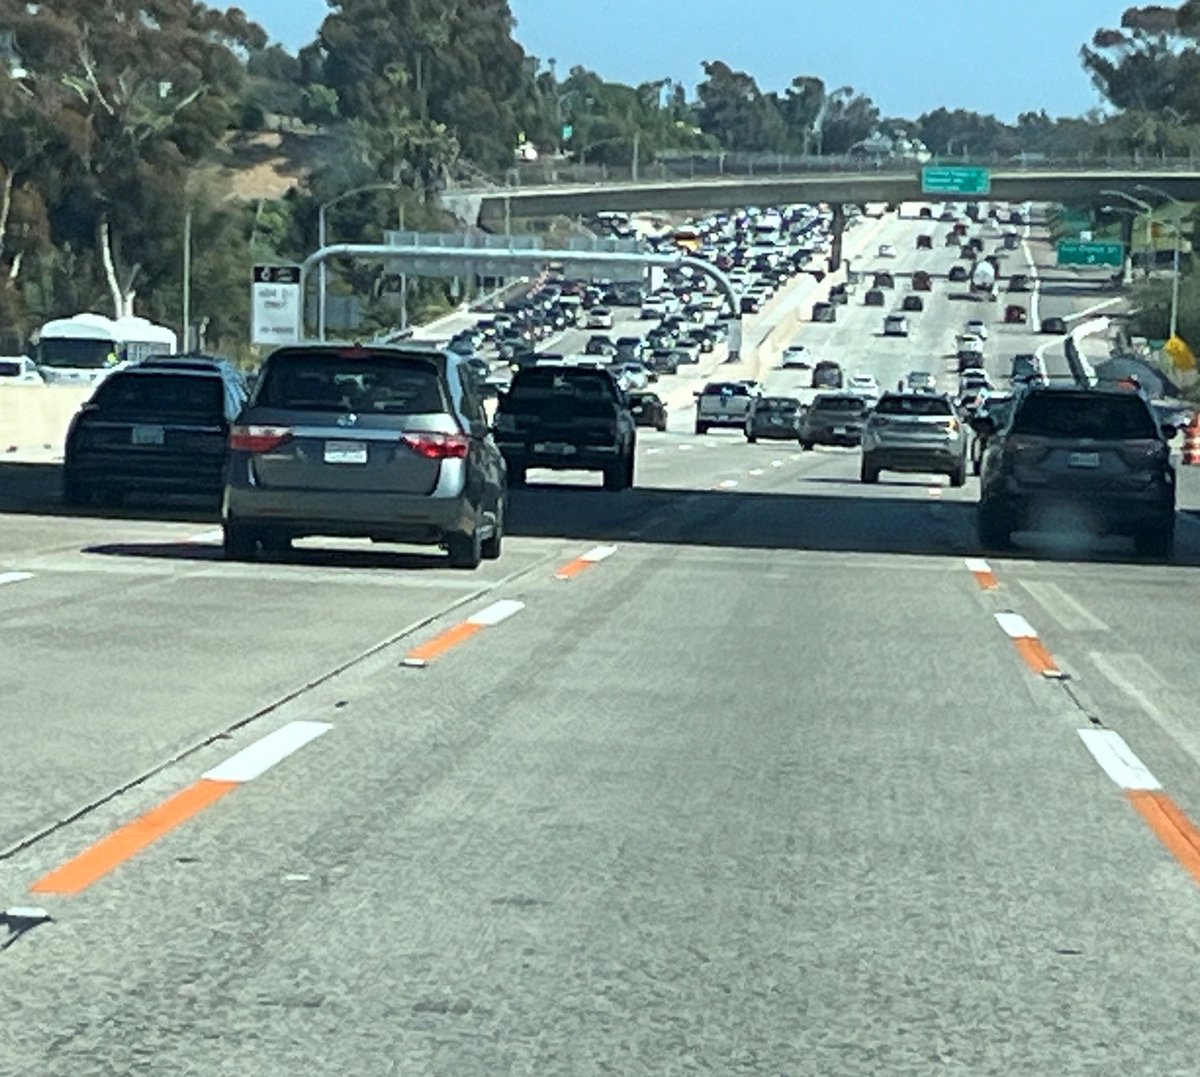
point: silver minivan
(386, 442)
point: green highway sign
(955, 179)
(1078, 252)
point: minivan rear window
(161, 395)
(1091, 416)
(386, 384)
(839, 403)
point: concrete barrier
(34, 418)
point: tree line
(116, 118)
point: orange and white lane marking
(982, 571)
(1171, 826)
(585, 561)
(124, 843)
(488, 617)
(15, 577)
(1028, 645)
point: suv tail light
(1142, 452)
(257, 438)
(438, 446)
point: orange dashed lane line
(110, 852)
(584, 561)
(441, 643)
(122, 844)
(1029, 647)
(446, 641)
(1174, 829)
(982, 571)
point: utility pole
(187, 280)
(637, 145)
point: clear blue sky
(998, 56)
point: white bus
(85, 348)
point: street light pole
(1146, 208)
(1175, 261)
(322, 238)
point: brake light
(951, 425)
(258, 438)
(438, 446)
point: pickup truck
(723, 403)
(566, 419)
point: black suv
(567, 418)
(1099, 453)
(159, 426)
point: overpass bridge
(492, 208)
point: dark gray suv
(384, 442)
(1099, 454)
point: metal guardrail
(684, 168)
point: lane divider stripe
(1118, 761)
(256, 759)
(452, 637)
(216, 535)
(584, 561)
(15, 577)
(1171, 826)
(1028, 646)
(107, 854)
(982, 571)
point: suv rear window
(391, 384)
(165, 394)
(913, 405)
(729, 389)
(1093, 416)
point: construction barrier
(1191, 440)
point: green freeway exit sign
(1078, 252)
(955, 179)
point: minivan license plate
(554, 448)
(148, 435)
(1085, 459)
(345, 452)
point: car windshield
(370, 382)
(179, 395)
(1092, 415)
(913, 405)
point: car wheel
(516, 476)
(241, 544)
(617, 476)
(958, 477)
(702, 428)
(993, 527)
(868, 472)
(807, 446)
(1156, 542)
(491, 546)
(465, 550)
(752, 439)
(661, 426)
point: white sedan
(978, 327)
(796, 355)
(864, 385)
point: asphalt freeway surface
(750, 769)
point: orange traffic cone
(1191, 440)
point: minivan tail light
(435, 446)
(251, 438)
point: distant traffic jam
(421, 442)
